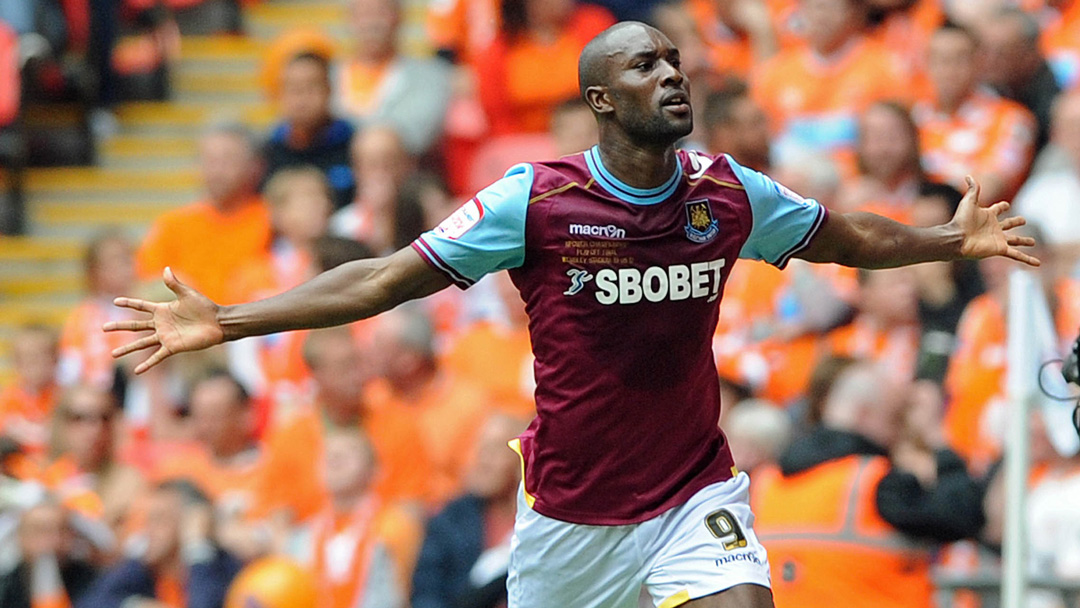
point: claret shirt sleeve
(784, 222)
(484, 235)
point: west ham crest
(701, 227)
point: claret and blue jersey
(622, 287)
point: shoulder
(554, 176)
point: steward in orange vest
(844, 528)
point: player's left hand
(985, 234)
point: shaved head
(595, 62)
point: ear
(599, 100)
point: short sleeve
(484, 235)
(784, 223)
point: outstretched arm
(348, 293)
(866, 240)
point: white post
(1023, 350)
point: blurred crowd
(868, 406)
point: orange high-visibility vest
(827, 544)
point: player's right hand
(187, 323)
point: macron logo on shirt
(610, 231)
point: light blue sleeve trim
(783, 222)
(486, 234)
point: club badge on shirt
(701, 226)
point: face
(304, 211)
(43, 532)
(379, 155)
(1065, 128)
(745, 135)
(88, 427)
(886, 144)
(884, 422)
(339, 374)
(574, 130)
(890, 295)
(548, 13)
(649, 94)
(830, 23)
(375, 24)
(951, 64)
(113, 272)
(228, 167)
(495, 468)
(347, 465)
(220, 420)
(164, 510)
(305, 94)
(1007, 57)
(34, 355)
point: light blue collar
(636, 196)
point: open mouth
(677, 102)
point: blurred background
(250, 144)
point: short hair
(93, 248)
(232, 128)
(720, 104)
(944, 192)
(1029, 26)
(317, 337)
(953, 26)
(308, 55)
(277, 186)
(215, 374)
(415, 331)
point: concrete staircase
(149, 166)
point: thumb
(174, 283)
(972, 194)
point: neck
(952, 104)
(346, 501)
(637, 166)
(230, 451)
(342, 416)
(231, 203)
(411, 386)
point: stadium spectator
(12, 145)
(460, 29)
(904, 27)
(758, 431)
(1060, 40)
(226, 462)
(339, 371)
(887, 157)
(945, 289)
(273, 582)
(573, 129)
(309, 134)
(840, 521)
(466, 550)
(536, 37)
(361, 549)
(413, 384)
(27, 403)
(380, 85)
(813, 93)
(886, 328)
(1015, 67)
(975, 381)
(181, 564)
(966, 129)
(495, 353)
(85, 469)
(86, 351)
(1049, 199)
(738, 35)
(433, 197)
(736, 125)
(382, 165)
(272, 367)
(206, 242)
(49, 572)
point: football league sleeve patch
(485, 235)
(784, 222)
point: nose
(672, 76)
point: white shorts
(699, 548)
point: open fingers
(973, 189)
(135, 304)
(999, 207)
(137, 345)
(128, 325)
(158, 356)
(1020, 241)
(1022, 257)
(1012, 222)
